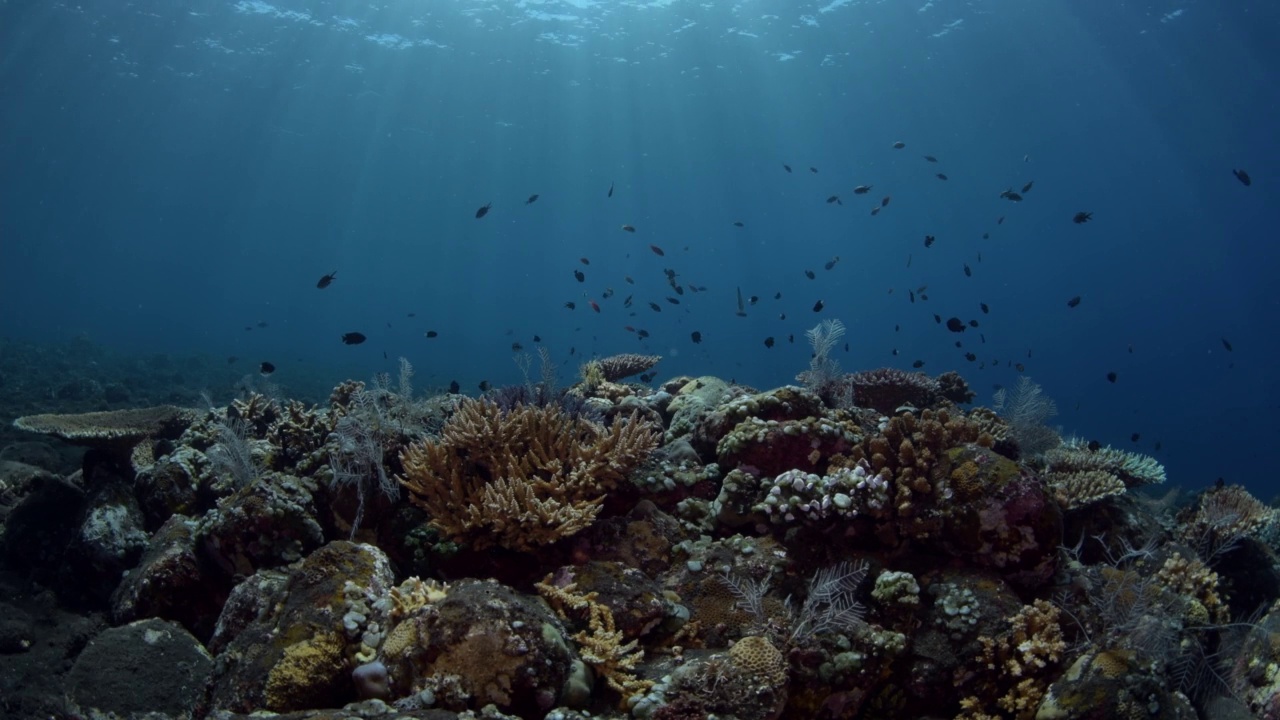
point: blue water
(174, 172)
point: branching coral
(1223, 517)
(1016, 668)
(522, 478)
(601, 643)
(1133, 469)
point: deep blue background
(171, 172)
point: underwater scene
(639, 359)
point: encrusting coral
(520, 478)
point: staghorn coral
(523, 478)
(601, 643)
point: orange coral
(520, 478)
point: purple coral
(887, 389)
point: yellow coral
(601, 645)
(523, 477)
(756, 656)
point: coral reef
(860, 547)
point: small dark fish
(1243, 177)
(572, 350)
(929, 240)
(973, 323)
(265, 368)
(1158, 446)
(696, 336)
(979, 257)
(917, 364)
(899, 145)
(1111, 377)
(1226, 345)
(791, 338)
(813, 170)
(584, 261)
(1130, 349)
(353, 338)
(1000, 220)
(768, 342)
(610, 190)
(832, 262)
(648, 377)
(782, 316)
(579, 276)
(884, 201)
(628, 279)
(232, 360)
(787, 168)
(1027, 188)
(532, 199)
(846, 347)
(1019, 367)
(912, 294)
(1081, 218)
(262, 323)
(862, 189)
(941, 176)
(895, 352)
(970, 357)
(642, 333)
(986, 236)
(571, 305)
(594, 305)
(673, 301)
(1135, 437)
(741, 308)
(809, 274)
(777, 296)
(897, 328)
(1073, 301)
(834, 199)
(537, 339)
(875, 211)
(1094, 446)
(484, 386)
(432, 333)
(629, 228)
(327, 280)
(984, 307)
(656, 250)
(656, 307)
(817, 307)
(753, 299)
(484, 210)
(909, 255)
(627, 303)
(967, 271)
(1011, 196)
(739, 224)
(930, 158)
(454, 387)
(516, 347)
